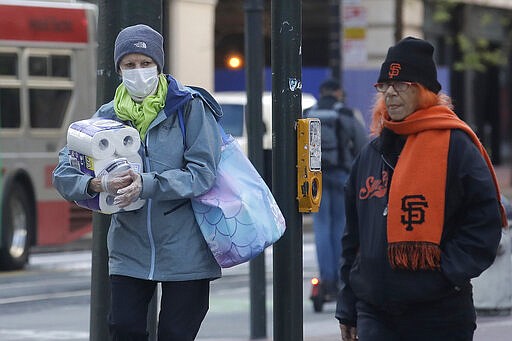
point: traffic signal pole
(254, 87)
(336, 39)
(112, 17)
(286, 54)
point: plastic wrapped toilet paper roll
(93, 167)
(104, 202)
(99, 145)
(93, 137)
(102, 138)
(134, 160)
(126, 141)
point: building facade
(203, 33)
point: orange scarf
(417, 194)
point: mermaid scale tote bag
(238, 216)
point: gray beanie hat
(139, 39)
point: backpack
(337, 135)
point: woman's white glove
(111, 183)
(126, 195)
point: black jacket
(470, 238)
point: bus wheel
(17, 225)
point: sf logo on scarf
(413, 206)
(394, 70)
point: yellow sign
(309, 158)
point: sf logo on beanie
(394, 70)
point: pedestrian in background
(423, 212)
(160, 242)
(342, 137)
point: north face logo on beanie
(141, 45)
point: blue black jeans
(451, 318)
(329, 224)
(183, 307)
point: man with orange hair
(423, 212)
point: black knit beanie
(139, 39)
(411, 60)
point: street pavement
(229, 316)
(227, 320)
(323, 327)
(316, 326)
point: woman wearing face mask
(160, 242)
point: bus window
(37, 66)
(10, 114)
(9, 108)
(49, 101)
(50, 66)
(48, 107)
(61, 66)
(8, 64)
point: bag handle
(181, 120)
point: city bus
(47, 81)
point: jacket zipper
(385, 212)
(148, 216)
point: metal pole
(341, 37)
(399, 16)
(112, 17)
(254, 86)
(335, 38)
(286, 108)
(100, 293)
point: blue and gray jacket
(161, 241)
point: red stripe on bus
(48, 172)
(29, 23)
(54, 223)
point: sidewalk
(324, 328)
(319, 327)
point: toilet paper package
(103, 147)
(104, 202)
(102, 138)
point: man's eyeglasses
(398, 86)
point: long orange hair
(426, 99)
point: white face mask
(140, 82)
